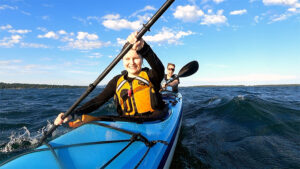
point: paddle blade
(188, 69)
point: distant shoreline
(34, 86)
(266, 85)
(47, 86)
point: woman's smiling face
(132, 63)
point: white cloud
(4, 7)
(289, 13)
(167, 35)
(95, 55)
(62, 32)
(10, 30)
(6, 62)
(146, 8)
(295, 8)
(210, 18)
(188, 13)
(191, 13)
(93, 18)
(279, 18)
(20, 31)
(280, 2)
(111, 16)
(42, 29)
(6, 27)
(10, 41)
(121, 41)
(67, 38)
(49, 35)
(292, 9)
(88, 20)
(33, 45)
(16, 38)
(85, 44)
(87, 36)
(218, 1)
(238, 12)
(82, 40)
(115, 23)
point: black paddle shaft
(146, 27)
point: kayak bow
(111, 144)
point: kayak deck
(104, 144)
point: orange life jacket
(135, 98)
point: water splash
(18, 141)
(241, 97)
(23, 139)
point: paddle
(186, 71)
(146, 27)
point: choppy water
(223, 127)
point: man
(172, 86)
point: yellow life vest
(135, 98)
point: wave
(242, 131)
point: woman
(135, 90)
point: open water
(223, 127)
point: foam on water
(22, 139)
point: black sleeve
(156, 74)
(103, 97)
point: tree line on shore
(41, 86)
(28, 86)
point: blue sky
(247, 42)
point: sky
(70, 42)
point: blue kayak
(110, 144)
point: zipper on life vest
(133, 99)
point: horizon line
(212, 85)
